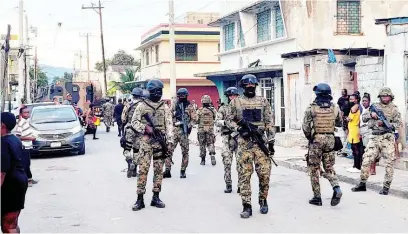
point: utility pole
(5, 89)
(27, 60)
(35, 74)
(20, 90)
(173, 81)
(87, 54)
(103, 46)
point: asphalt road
(91, 193)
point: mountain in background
(52, 71)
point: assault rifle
(159, 137)
(184, 119)
(255, 136)
(382, 117)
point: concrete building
(255, 36)
(196, 49)
(200, 17)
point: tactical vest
(131, 110)
(156, 113)
(207, 118)
(323, 119)
(252, 110)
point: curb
(372, 186)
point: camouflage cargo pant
(108, 120)
(229, 147)
(206, 140)
(179, 137)
(322, 150)
(148, 151)
(379, 144)
(132, 139)
(247, 158)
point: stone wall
(370, 74)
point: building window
(186, 52)
(241, 35)
(147, 57)
(279, 29)
(156, 49)
(348, 16)
(263, 21)
(229, 35)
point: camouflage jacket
(307, 125)
(391, 113)
(108, 109)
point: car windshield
(30, 107)
(53, 115)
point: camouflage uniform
(179, 136)
(382, 141)
(205, 134)
(257, 111)
(229, 145)
(108, 109)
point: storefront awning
(241, 71)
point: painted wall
(336, 75)
(370, 75)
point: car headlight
(76, 129)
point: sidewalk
(293, 157)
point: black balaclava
(249, 91)
(155, 95)
(323, 100)
(206, 104)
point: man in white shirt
(24, 132)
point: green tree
(42, 79)
(119, 58)
(122, 85)
(99, 65)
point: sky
(124, 21)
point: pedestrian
(68, 100)
(205, 133)
(255, 111)
(107, 110)
(55, 100)
(353, 137)
(14, 180)
(183, 114)
(229, 142)
(365, 131)
(132, 137)
(319, 123)
(153, 119)
(24, 132)
(117, 114)
(91, 122)
(344, 105)
(79, 112)
(381, 141)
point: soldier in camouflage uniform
(150, 147)
(179, 133)
(382, 139)
(255, 112)
(319, 123)
(229, 143)
(131, 137)
(205, 134)
(108, 109)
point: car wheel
(82, 151)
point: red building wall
(196, 92)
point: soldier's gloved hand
(374, 115)
(148, 130)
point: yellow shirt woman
(354, 126)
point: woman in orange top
(353, 136)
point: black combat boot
(139, 203)
(336, 196)
(263, 206)
(317, 201)
(361, 187)
(183, 174)
(130, 168)
(238, 190)
(166, 173)
(384, 191)
(213, 162)
(156, 201)
(202, 161)
(107, 129)
(228, 189)
(134, 171)
(247, 211)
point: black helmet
(248, 79)
(322, 89)
(182, 92)
(155, 88)
(137, 92)
(231, 91)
